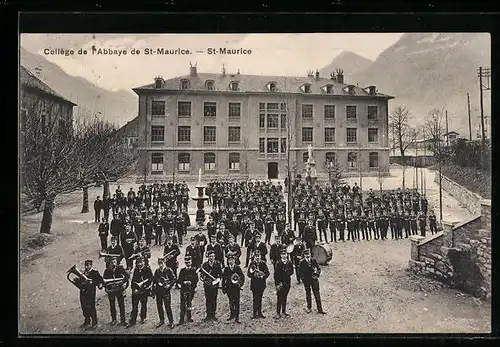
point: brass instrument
(279, 286)
(208, 278)
(315, 274)
(169, 255)
(115, 285)
(254, 271)
(290, 247)
(163, 283)
(141, 287)
(80, 280)
(235, 278)
(135, 255)
(129, 240)
(104, 254)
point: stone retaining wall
(459, 256)
(464, 196)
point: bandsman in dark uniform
(283, 271)
(97, 209)
(141, 273)
(309, 235)
(143, 251)
(113, 271)
(413, 223)
(232, 250)
(201, 241)
(363, 227)
(280, 223)
(422, 223)
(370, 227)
(341, 226)
(393, 225)
(116, 249)
(163, 280)
(188, 280)
(116, 227)
(234, 227)
(232, 281)
(103, 231)
(322, 223)
(128, 240)
(258, 272)
(269, 227)
(215, 247)
(210, 270)
(432, 222)
(261, 247)
(288, 235)
(332, 225)
(88, 293)
(309, 272)
(158, 228)
(170, 253)
(194, 251)
(302, 224)
(276, 248)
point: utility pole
(486, 72)
(468, 108)
(440, 173)
(447, 135)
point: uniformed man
(432, 222)
(363, 226)
(142, 250)
(116, 249)
(275, 251)
(193, 251)
(309, 272)
(140, 295)
(322, 224)
(188, 280)
(116, 227)
(422, 223)
(232, 250)
(234, 227)
(232, 281)
(260, 246)
(87, 294)
(170, 252)
(97, 209)
(310, 234)
(413, 223)
(210, 270)
(341, 225)
(103, 231)
(302, 224)
(280, 223)
(258, 272)
(269, 227)
(128, 240)
(332, 225)
(283, 270)
(138, 223)
(163, 280)
(288, 235)
(113, 271)
(158, 229)
(216, 248)
(179, 227)
(201, 241)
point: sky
(272, 54)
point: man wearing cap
(193, 251)
(280, 223)
(201, 242)
(233, 289)
(215, 247)
(188, 280)
(296, 255)
(143, 250)
(309, 272)
(87, 295)
(276, 248)
(234, 227)
(288, 235)
(116, 227)
(170, 252)
(113, 271)
(103, 232)
(116, 249)
(232, 250)
(211, 226)
(310, 234)
(179, 226)
(97, 209)
(128, 241)
(141, 273)
(269, 227)
(258, 272)
(163, 280)
(211, 269)
(261, 247)
(283, 270)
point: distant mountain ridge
(432, 70)
(348, 61)
(117, 107)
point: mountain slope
(348, 61)
(430, 70)
(117, 107)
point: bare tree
(403, 135)
(48, 147)
(334, 171)
(434, 129)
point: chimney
(223, 70)
(340, 76)
(192, 69)
(310, 73)
(317, 74)
(238, 72)
(372, 90)
(159, 82)
(332, 76)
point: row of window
(234, 134)
(271, 109)
(184, 160)
(209, 160)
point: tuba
(78, 279)
(141, 287)
(208, 279)
(115, 285)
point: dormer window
(209, 85)
(305, 88)
(184, 84)
(329, 89)
(234, 86)
(271, 86)
(349, 89)
(158, 83)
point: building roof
(28, 79)
(258, 83)
(451, 133)
(411, 152)
(131, 128)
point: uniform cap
(306, 252)
(256, 252)
(283, 251)
(169, 238)
(210, 252)
(88, 262)
(187, 258)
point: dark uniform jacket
(274, 253)
(258, 283)
(227, 285)
(310, 234)
(306, 270)
(128, 246)
(116, 250)
(89, 289)
(215, 270)
(103, 229)
(261, 246)
(166, 273)
(117, 272)
(216, 247)
(195, 253)
(235, 251)
(142, 274)
(282, 272)
(172, 261)
(190, 275)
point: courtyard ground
(365, 288)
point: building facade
(234, 125)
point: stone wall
(459, 256)
(464, 196)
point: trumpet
(135, 255)
(141, 287)
(235, 279)
(114, 285)
(254, 271)
(169, 255)
(209, 279)
(80, 280)
(104, 254)
(163, 283)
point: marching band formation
(244, 215)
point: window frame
(262, 145)
(355, 155)
(212, 104)
(185, 103)
(304, 129)
(370, 156)
(333, 136)
(162, 127)
(368, 135)
(368, 107)
(186, 82)
(232, 84)
(229, 128)
(347, 135)
(156, 169)
(210, 83)
(302, 111)
(272, 142)
(355, 113)
(155, 109)
(327, 154)
(210, 163)
(181, 165)
(183, 127)
(233, 104)
(272, 120)
(231, 160)
(210, 132)
(325, 107)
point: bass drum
(322, 253)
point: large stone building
(232, 125)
